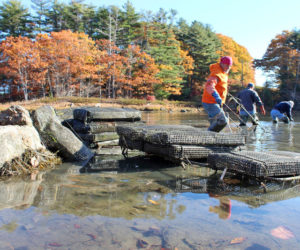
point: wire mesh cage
(131, 143)
(106, 114)
(186, 151)
(82, 115)
(181, 135)
(198, 137)
(256, 164)
(100, 137)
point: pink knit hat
(226, 60)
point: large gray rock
(56, 137)
(16, 139)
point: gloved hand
(217, 97)
(291, 119)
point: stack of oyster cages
(96, 126)
(177, 142)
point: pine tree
(15, 19)
(40, 7)
(202, 44)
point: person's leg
(243, 118)
(281, 116)
(255, 119)
(216, 115)
(221, 120)
(274, 114)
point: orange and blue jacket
(220, 86)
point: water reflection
(158, 204)
(19, 192)
(224, 207)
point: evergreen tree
(202, 44)
(165, 49)
(56, 17)
(131, 27)
(15, 19)
(75, 13)
(41, 7)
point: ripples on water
(149, 203)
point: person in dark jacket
(249, 99)
(283, 112)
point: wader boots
(218, 122)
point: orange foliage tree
(66, 63)
(242, 70)
(21, 62)
(282, 61)
(70, 59)
(113, 67)
(141, 73)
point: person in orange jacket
(215, 92)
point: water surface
(152, 204)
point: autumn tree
(140, 73)
(20, 60)
(281, 61)
(114, 67)
(242, 69)
(70, 61)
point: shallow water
(152, 204)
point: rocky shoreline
(39, 134)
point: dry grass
(66, 102)
(31, 161)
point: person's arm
(259, 103)
(210, 88)
(262, 109)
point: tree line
(77, 49)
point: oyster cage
(176, 142)
(256, 164)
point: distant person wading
(247, 108)
(283, 112)
(215, 92)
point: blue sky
(251, 23)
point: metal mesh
(185, 151)
(140, 131)
(179, 134)
(256, 164)
(133, 132)
(194, 138)
(95, 127)
(111, 114)
(105, 136)
(82, 115)
(131, 143)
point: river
(153, 204)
